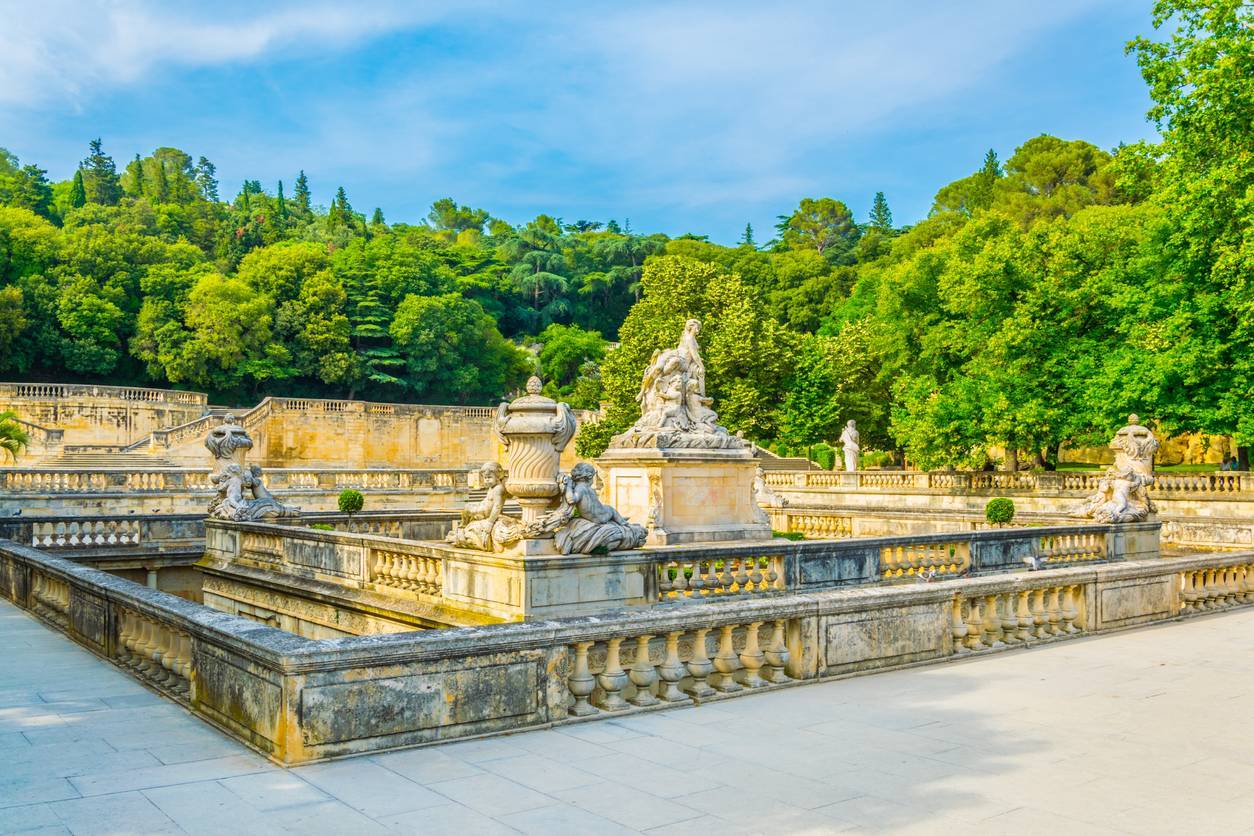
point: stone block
(1135, 601)
(879, 638)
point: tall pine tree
(746, 240)
(280, 204)
(206, 180)
(100, 176)
(301, 194)
(881, 215)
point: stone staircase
(768, 461)
(103, 460)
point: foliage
(350, 501)
(13, 439)
(999, 511)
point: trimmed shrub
(789, 535)
(322, 526)
(825, 456)
(999, 511)
(351, 501)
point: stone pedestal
(685, 495)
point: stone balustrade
(466, 584)
(1078, 482)
(285, 695)
(81, 391)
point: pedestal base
(685, 495)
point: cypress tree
(280, 203)
(881, 215)
(78, 193)
(747, 238)
(377, 218)
(160, 186)
(302, 192)
(136, 169)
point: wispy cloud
(62, 49)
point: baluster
(1069, 611)
(777, 653)
(1009, 618)
(772, 572)
(742, 576)
(755, 572)
(642, 674)
(992, 624)
(697, 582)
(680, 583)
(752, 657)
(671, 671)
(1039, 616)
(1054, 614)
(581, 682)
(613, 679)
(1025, 617)
(380, 567)
(958, 627)
(184, 666)
(727, 576)
(700, 667)
(974, 625)
(726, 662)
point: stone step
(99, 461)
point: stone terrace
(1144, 731)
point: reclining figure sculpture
(1122, 494)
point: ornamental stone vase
(534, 430)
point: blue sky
(683, 117)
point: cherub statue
(484, 526)
(584, 523)
(242, 496)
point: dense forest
(1044, 297)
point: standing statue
(850, 438)
(241, 495)
(484, 526)
(1123, 492)
(674, 408)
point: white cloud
(61, 50)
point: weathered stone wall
(298, 700)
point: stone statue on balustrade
(765, 497)
(484, 525)
(675, 411)
(850, 439)
(560, 514)
(1123, 492)
(583, 524)
(241, 494)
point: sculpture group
(561, 513)
(675, 411)
(1122, 493)
(241, 495)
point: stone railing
(71, 391)
(285, 695)
(105, 532)
(510, 588)
(127, 480)
(1080, 483)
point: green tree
(301, 193)
(100, 176)
(78, 190)
(454, 351)
(881, 215)
(206, 179)
(1203, 105)
(822, 225)
(447, 215)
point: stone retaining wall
(299, 700)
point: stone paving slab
(1147, 731)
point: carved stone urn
(534, 430)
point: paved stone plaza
(1145, 731)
